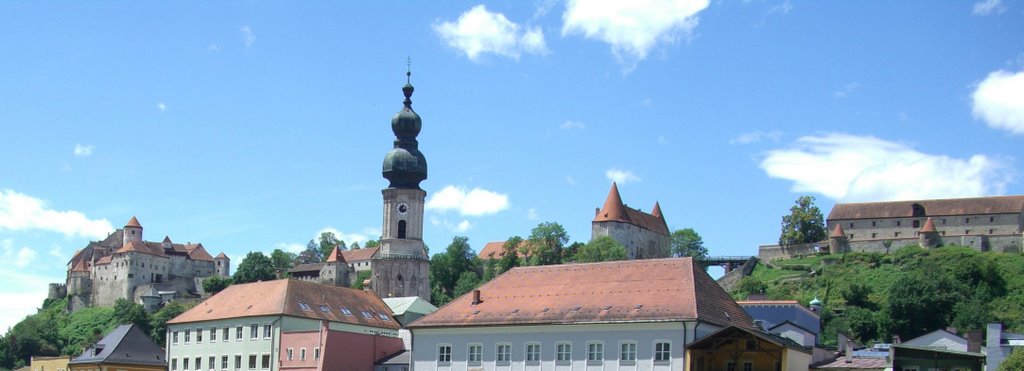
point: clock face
(403, 208)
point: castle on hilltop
(645, 236)
(983, 223)
(125, 266)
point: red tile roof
(104, 260)
(80, 267)
(855, 363)
(952, 206)
(496, 250)
(615, 211)
(838, 231)
(282, 297)
(359, 254)
(335, 255)
(197, 252)
(929, 226)
(133, 223)
(221, 256)
(635, 291)
(140, 247)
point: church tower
(401, 266)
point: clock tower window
(401, 229)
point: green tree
(510, 254)
(126, 312)
(446, 268)
(362, 276)
(282, 261)
(158, 321)
(1014, 362)
(601, 249)
(214, 284)
(255, 267)
(311, 254)
(804, 224)
(686, 242)
(546, 242)
(468, 281)
(327, 242)
(857, 294)
(371, 243)
(355, 246)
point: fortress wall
(639, 243)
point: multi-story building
(283, 325)
(645, 236)
(636, 315)
(125, 266)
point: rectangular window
(188, 334)
(991, 219)
(199, 362)
(213, 334)
(662, 351)
(266, 331)
(628, 352)
(748, 366)
(730, 366)
(991, 231)
(199, 335)
(290, 351)
(238, 361)
(563, 352)
(874, 235)
(595, 352)
(751, 344)
(476, 353)
(302, 354)
(444, 354)
(872, 223)
(897, 224)
(184, 363)
(223, 362)
(316, 354)
(265, 364)
(254, 331)
(967, 220)
(212, 362)
(896, 234)
(174, 337)
(504, 353)
(533, 352)
(174, 364)
(252, 361)
(238, 333)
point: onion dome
(405, 166)
(815, 302)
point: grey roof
(309, 267)
(774, 315)
(125, 345)
(400, 358)
(414, 304)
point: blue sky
(256, 125)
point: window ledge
(502, 363)
(533, 363)
(595, 363)
(627, 363)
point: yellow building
(125, 349)
(738, 349)
(50, 363)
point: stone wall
(640, 243)
(1007, 243)
(395, 277)
(896, 228)
(774, 252)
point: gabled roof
(854, 363)
(496, 250)
(336, 255)
(774, 312)
(713, 340)
(615, 211)
(286, 297)
(221, 256)
(414, 304)
(951, 206)
(622, 291)
(126, 345)
(365, 253)
(80, 267)
(141, 247)
(198, 252)
(309, 267)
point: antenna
(408, 69)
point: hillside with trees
(873, 296)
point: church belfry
(401, 266)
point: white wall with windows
(238, 344)
(576, 347)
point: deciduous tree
(255, 267)
(686, 242)
(546, 242)
(214, 284)
(600, 249)
(804, 224)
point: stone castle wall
(640, 243)
(954, 225)
(1006, 243)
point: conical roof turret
(133, 223)
(336, 256)
(656, 211)
(613, 209)
(929, 226)
(838, 231)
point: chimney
(476, 297)
(597, 211)
(841, 342)
(974, 341)
(759, 324)
(895, 339)
(848, 355)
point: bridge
(727, 262)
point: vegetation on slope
(873, 296)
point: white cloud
(531, 214)
(846, 90)
(21, 299)
(999, 100)
(621, 176)
(22, 212)
(475, 202)
(83, 151)
(479, 31)
(294, 248)
(463, 226)
(569, 179)
(161, 106)
(632, 28)
(986, 7)
(571, 125)
(350, 238)
(863, 168)
(24, 257)
(248, 36)
(756, 136)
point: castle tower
(335, 269)
(928, 236)
(223, 265)
(645, 236)
(132, 231)
(401, 265)
(837, 240)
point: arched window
(918, 210)
(401, 229)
